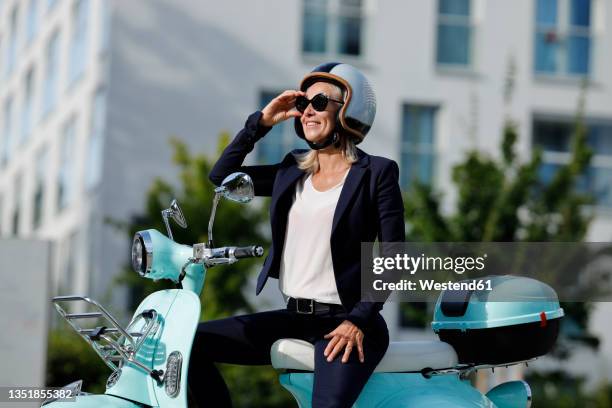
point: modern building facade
(53, 61)
(90, 91)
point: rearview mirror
(237, 187)
(174, 212)
(177, 214)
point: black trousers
(247, 339)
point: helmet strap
(337, 143)
(331, 139)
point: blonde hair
(309, 161)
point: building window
(7, 139)
(11, 46)
(96, 140)
(563, 37)
(455, 33)
(333, 27)
(51, 73)
(554, 137)
(32, 23)
(280, 140)
(39, 188)
(28, 101)
(17, 204)
(417, 145)
(78, 48)
(65, 176)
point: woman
(325, 202)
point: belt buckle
(305, 302)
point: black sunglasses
(319, 102)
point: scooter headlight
(142, 253)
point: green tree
(70, 358)
(504, 199)
(560, 390)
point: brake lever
(219, 261)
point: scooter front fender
(94, 401)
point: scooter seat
(401, 356)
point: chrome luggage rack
(464, 370)
(115, 345)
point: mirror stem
(165, 217)
(212, 219)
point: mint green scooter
(149, 358)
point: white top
(306, 269)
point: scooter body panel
(133, 382)
(94, 401)
(168, 254)
(510, 394)
(395, 390)
(179, 331)
(178, 314)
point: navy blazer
(370, 206)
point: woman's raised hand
(281, 108)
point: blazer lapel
(353, 179)
(285, 181)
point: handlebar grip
(248, 251)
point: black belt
(309, 306)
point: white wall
(25, 302)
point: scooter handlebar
(248, 251)
(225, 255)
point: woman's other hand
(346, 336)
(280, 108)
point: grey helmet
(356, 116)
